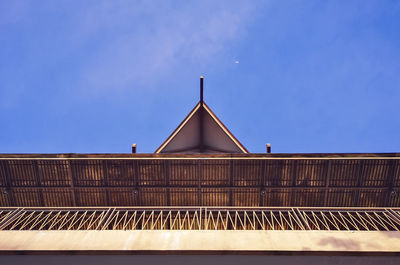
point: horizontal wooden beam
(189, 187)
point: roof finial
(201, 126)
(201, 90)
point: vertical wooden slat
(359, 176)
(230, 183)
(200, 174)
(294, 180)
(106, 181)
(389, 182)
(8, 183)
(38, 183)
(262, 183)
(137, 174)
(167, 181)
(72, 183)
(327, 179)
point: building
(201, 197)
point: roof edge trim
(226, 130)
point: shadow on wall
(352, 245)
(391, 234)
(340, 244)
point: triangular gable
(216, 137)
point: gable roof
(201, 132)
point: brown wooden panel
(183, 172)
(214, 172)
(27, 196)
(344, 173)
(246, 173)
(151, 172)
(215, 197)
(3, 173)
(278, 173)
(375, 172)
(91, 197)
(153, 196)
(22, 173)
(121, 172)
(396, 177)
(5, 198)
(280, 197)
(246, 197)
(123, 197)
(372, 198)
(308, 197)
(394, 198)
(184, 197)
(53, 197)
(53, 173)
(88, 172)
(310, 173)
(341, 198)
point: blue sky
(96, 76)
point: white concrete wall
(375, 241)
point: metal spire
(201, 127)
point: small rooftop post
(268, 148)
(133, 148)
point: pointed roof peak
(201, 132)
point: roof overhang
(345, 180)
